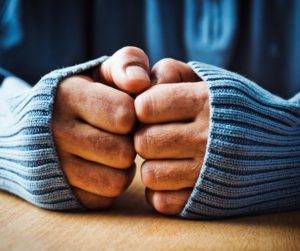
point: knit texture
(252, 160)
(29, 165)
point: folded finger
(170, 102)
(168, 202)
(169, 141)
(99, 105)
(92, 144)
(96, 178)
(92, 201)
(169, 70)
(170, 174)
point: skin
(175, 114)
(93, 117)
(93, 120)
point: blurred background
(258, 39)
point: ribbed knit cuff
(252, 160)
(29, 165)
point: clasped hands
(98, 128)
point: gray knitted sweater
(252, 160)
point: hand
(175, 113)
(91, 123)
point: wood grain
(133, 225)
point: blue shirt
(256, 38)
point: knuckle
(119, 184)
(161, 203)
(167, 70)
(149, 175)
(141, 143)
(202, 92)
(198, 96)
(125, 115)
(153, 176)
(143, 107)
(126, 154)
(196, 137)
(166, 62)
(200, 139)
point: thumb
(128, 69)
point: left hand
(175, 114)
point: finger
(168, 202)
(95, 145)
(169, 70)
(171, 102)
(128, 68)
(96, 178)
(99, 105)
(170, 141)
(92, 201)
(170, 174)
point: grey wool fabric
(251, 166)
(29, 165)
(252, 161)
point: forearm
(252, 161)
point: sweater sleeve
(29, 165)
(252, 160)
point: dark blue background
(259, 38)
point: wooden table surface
(133, 225)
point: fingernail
(137, 72)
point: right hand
(91, 123)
